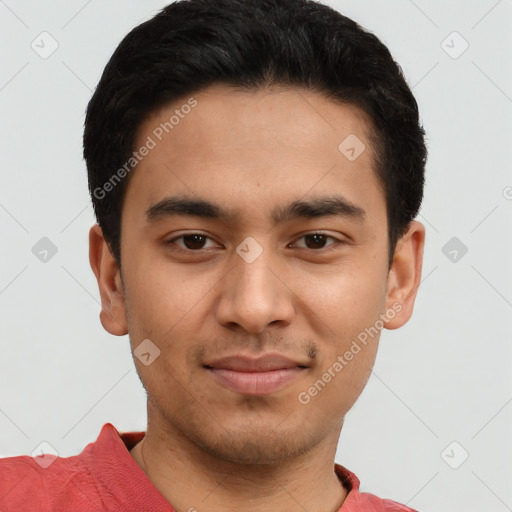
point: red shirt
(105, 477)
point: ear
(108, 275)
(405, 276)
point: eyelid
(327, 235)
(188, 233)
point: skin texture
(207, 446)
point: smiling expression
(253, 253)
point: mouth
(255, 376)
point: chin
(252, 444)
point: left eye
(316, 240)
(193, 242)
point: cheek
(348, 350)
(163, 297)
(349, 304)
(347, 299)
(170, 307)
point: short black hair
(250, 44)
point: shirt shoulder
(393, 506)
(357, 501)
(373, 503)
(366, 502)
(102, 477)
(46, 483)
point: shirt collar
(112, 465)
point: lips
(255, 376)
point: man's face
(226, 299)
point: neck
(191, 479)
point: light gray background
(443, 377)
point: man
(255, 167)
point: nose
(254, 296)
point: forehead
(255, 148)
(292, 118)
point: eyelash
(330, 247)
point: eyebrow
(310, 209)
